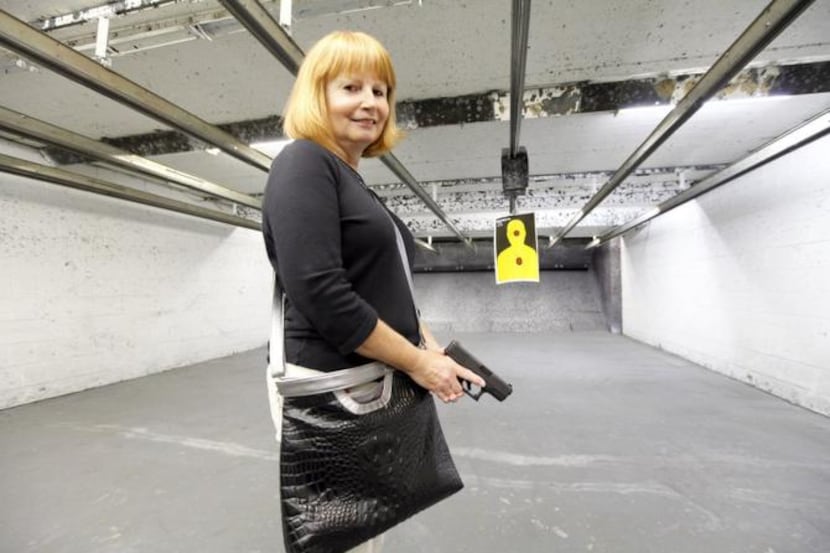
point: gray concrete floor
(606, 445)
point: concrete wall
(95, 290)
(471, 302)
(739, 280)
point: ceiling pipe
(775, 18)
(262, 26)
(48, 52)
(23, 168)
(111, 9)
(795, 138)
(518, 59)
(29, 127)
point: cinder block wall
(95, 290)
(472, 302)
(739, 280)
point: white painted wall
(96, 290)
(739, 280)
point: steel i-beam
(29, 127)
(518, 57)
(23, 168)
(795, 138)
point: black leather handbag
(348, 476)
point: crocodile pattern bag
(347, 477)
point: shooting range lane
(606, 444)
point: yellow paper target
(516, 249)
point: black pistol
(493, 385)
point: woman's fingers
(470, 376)
(440, 374)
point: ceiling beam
(520, 13)
(768, 25)
(795, 138)
(23, 168)
(48, 52)
(30, 127)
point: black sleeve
(301, 222)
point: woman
(331, 241)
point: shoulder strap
(404, 261)
(276, 344)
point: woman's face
(358, 109)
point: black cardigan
(333, 246)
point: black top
(333, 246)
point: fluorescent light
(656, 109)
(272, 147)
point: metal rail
(773, 19)
(518, 58)
(262, 26)
(29, 127)
(803, 134)
(394, 165)
(23, 168)
(48, 52)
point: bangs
(352, 53)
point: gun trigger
(467, 386)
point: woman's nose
(368, 98)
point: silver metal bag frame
(319, 383)
(331, 381)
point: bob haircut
(306, 113)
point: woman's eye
(380, 93)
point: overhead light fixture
(272, 147)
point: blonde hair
(306, 113)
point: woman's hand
(439, 374)
(430, 367)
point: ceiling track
(29, 127)
(518, 58)
(795, 138)
(28, 169)
(776, 17)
